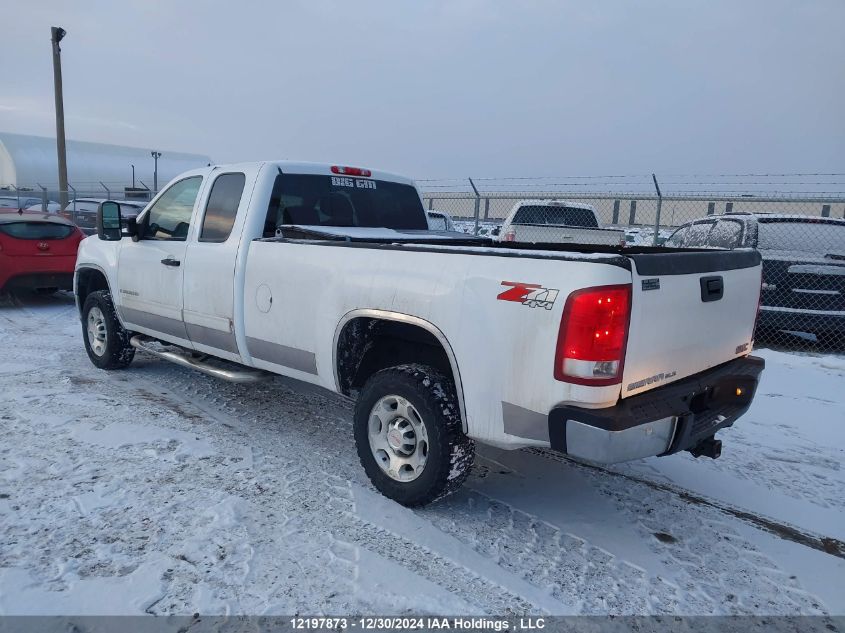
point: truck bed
(485, 245)
(675, 330)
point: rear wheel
(408, 435)
(106, 342)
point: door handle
(169, 261)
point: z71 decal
(531, 295)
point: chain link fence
(79, 202)
(794, 220)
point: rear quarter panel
(504, 349)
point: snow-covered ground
(159, 490)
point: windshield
(343, 201)
(810, 236)
(559, 216)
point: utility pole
(57, 33)
(156, 156)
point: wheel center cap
(394, 438)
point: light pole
(133, 174)
(56, 35)
(156, 156)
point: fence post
(729, 207)
(825, 210)
(616, 204)
(632, 214)
(487, 208)
(477, 204)
(711, 208)
(659, 206)
(430, 204)
(43, 197)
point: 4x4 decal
(531, 295)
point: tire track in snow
(782, 530)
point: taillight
(593, 335)
(510, 236)
(351, 171)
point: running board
(245, 375)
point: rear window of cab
(36, 230)
(316, 200)
(555, 216)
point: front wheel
(408, 434)
(106, 342)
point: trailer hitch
(708, 447)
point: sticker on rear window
(357, 183)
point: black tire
(116, 351)
(450, 453)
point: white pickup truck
(557, 222)
(328, 274)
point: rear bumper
(23, 272)
(32, 281)
(659, 422)
(801, 320)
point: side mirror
(495, 230)
(108, 221)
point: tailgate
(690, 311)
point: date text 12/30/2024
(374, 623)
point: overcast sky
(444, 88)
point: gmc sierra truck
(329, 274)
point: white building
(30, 161)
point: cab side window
(698, 233)
(726, 234)
(222, 207)
(170, 217)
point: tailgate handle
(712, 288)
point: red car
(37, 251)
